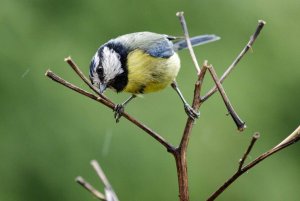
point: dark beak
(102, 87)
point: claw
(191, 112)
(119, 109)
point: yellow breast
(149, 74)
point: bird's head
(108, 67)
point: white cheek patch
(111, 64)
(94, 75)
(96, 61)
(96, 79)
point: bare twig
(153, 134)
(201, 76)
(110, 194)
(90, 188)
(254, 139)
(294, 137)
(239, 123)
(291, 139)
(249, 45)
(100, 173)
(195, 105)
(187, 38)
(82, 76)
(65, 83)
(180, 152)
(198, 85)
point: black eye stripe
(99, 70)
(100, 73)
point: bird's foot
(119, 109)
(191, 112)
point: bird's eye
(99, 72)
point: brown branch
(180, 152)
(65, 83)
(195, 105)
(73, 65)
(291, 139)
(239, 123)
(109, 104)
(254, 139)
(90, 188)
(248, 46)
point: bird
(140, 63)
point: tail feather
(197, 40)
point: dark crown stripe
(120, 82)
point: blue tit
(140, 63)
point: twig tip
(293, 137)
(79, 179)
(242, 127)
(94, 162)
(179, 14)
(256, 135)
(262, 22)
(47, 72)
(68, 59)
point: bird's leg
(119, 108)
(188, 109)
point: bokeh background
(50, 134)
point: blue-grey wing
(156, 45)
(162, 48)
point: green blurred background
(49, 134)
